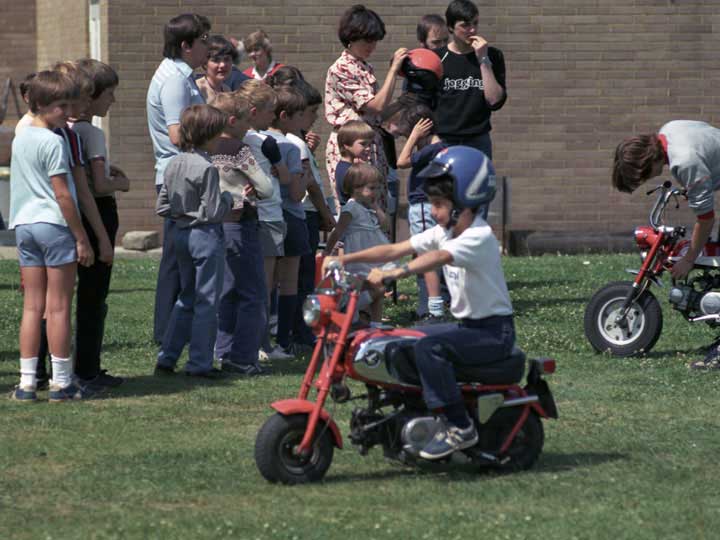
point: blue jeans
(242, 313)
(419, 220)
(168, 282)
(482, 143)
(199, 252)
(445, 345)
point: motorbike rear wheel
(525, 448)
(274, 450)
(644, 321)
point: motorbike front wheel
(644, 321)
(275, 454)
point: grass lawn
(633, 455)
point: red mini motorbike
(624, 317)
(296, 444)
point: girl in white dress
(361, 223)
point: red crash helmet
(422, 67)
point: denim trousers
(482, 143)
(168, 282)
(199, 251)
(242, 310)
(419, 220)
(92, 290)
(446, 345)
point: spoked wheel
(525, 448)
(641, 330)
(275, 454)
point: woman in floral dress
(351, 89)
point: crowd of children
(239, 188)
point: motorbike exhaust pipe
(520, 401)
(715, 317)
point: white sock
(61, 371)
(436, 306)
(28, 372)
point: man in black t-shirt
(473, 84)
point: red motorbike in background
(624, 317)
(296, 444)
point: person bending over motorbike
(691, 151)
(458, 181)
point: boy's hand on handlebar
(681, 268)
(379, 278)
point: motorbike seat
(400, 359)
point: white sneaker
(262, 356)
(278, 353)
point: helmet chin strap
(454, 216)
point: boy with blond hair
(241, 311)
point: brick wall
(17, 43)
(62, 31)
(582, 74)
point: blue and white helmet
(472, 172)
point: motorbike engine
(418, 432)
(697, 296)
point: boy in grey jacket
(191, 198)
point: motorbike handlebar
(667, 192)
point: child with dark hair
(289, 119)
(191, 197)
(414, 120)
(360, 225)
(218, 68)
(432, 31)
(103, 182)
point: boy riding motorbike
(458, 181)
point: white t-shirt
(269, 209)
(475, 278)
(305, 153)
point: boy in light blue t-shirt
(49, 235)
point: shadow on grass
(150, 385)
(133, 290)
(526, 306)
(550, 462)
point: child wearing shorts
(192, 198)
(49, 235)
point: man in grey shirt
(171, 91)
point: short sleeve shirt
(172, 90)
(693, 153)
(38, 154)
(475, 277)
(419, 160)
(269, 209)
(291, 158)
(307, 155)
(94, 147)
(350, 84)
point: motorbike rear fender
(288, 407)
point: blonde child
(242, 316)
(355, 141)
(49, 235)
(361, 222)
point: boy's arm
(380, 254)
(162, 205)
(317, 197)
(701, 233)
(337, 232)
(422, 264)
(420, 130)
(90, 211)
(104, 185)
(67, 208)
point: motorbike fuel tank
(372, 362)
